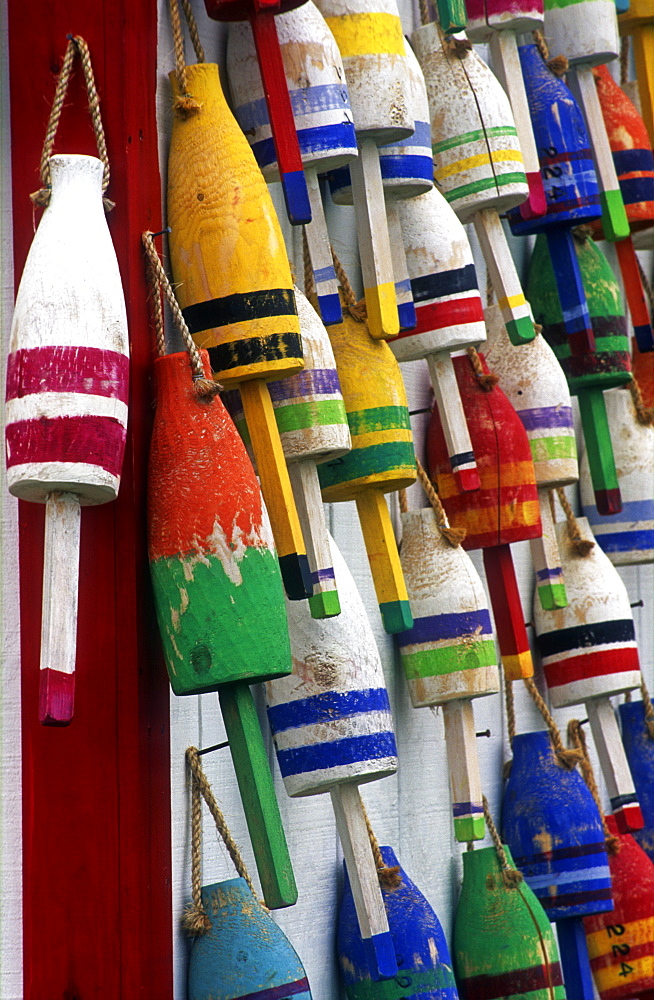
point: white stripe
(64, 404)
(314, 782)
(563, 878)
(578, 691)
(598, 650)
(361, 724)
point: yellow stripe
(482, 159)
(381, 437)
(512, 474)
(512, 301)
(491, 520)
(518, 666)
(610, 977)
(368, 34)
(636, 932)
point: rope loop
(452, 535)
(185, 105)
(389, 875)
(581, 546)
(510, 876)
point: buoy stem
(384, 560)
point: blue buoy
(639, 748)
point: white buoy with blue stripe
(321, 114)
(332, 727)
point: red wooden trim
(96, 795)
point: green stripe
(297, 416)
(521, 330)
(429, 983)
(379, 418)
(478, 133)
(484, 185)
(603, 345)
(448, 659)
(543, 448)
(393, 456)
(468, 828)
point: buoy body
(626, 537)
(477, 158)
(424, 964)
(584, 31)
(639, 748)
(215, 574)
(621, 943)
(244, 953)
(68, 364)
(554, 829)
(503, 946)
(317, 90)
(485, 16)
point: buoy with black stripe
(244, 955)
(478, 163)
(449, 655)
(554, 829)
(588, 651)
(448, 311)
(234, 286)
(381, 461)
(590, 372)
(504, 947)
(504, 509)
(333, 730)
(321, 114)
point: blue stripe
(629, 161)
(322, 139)
(637, 189)
(306, 101)
(448, 626)
(421, 137)
(625, 541)
(632, 510)
(572, 879)
(549, 574)
(466, 809)
(319, 575)
(322, 756)
(327, 707)
(463, 458)
(312, 382)
(324, 274)
(395, 167)
(544, 417)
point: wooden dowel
(635, 295)
(324, 602)
(320, 254)
(384, 561)
(453, 420)
(597, 438)
(463, 765)
(406, 309)
(613, 761)
(507, 612)
(508, 291)
(550, 584)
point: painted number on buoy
(616, 930)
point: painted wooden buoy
(586, 33)
(66, 399)
(639, 748)
(264, 29)
(638, 23)
(369, 36)
(504, 947)
(424, 966)
(570, 184)
(477, 159)
(381, 460)
(244, 953)
(554, 829)
(534, 383)
(407, 171)
(634, 164)
(332, 727)
(449, 314)
(588, 651)
(449, 655)
(503, 510)
(627, 537)
(590, 373)
(321, 115)
(234, 286)
(621, 943)
(313, 428)
(217, 589)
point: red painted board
(96, 795)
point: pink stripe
(88, 370)
(92, 440)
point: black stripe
(603, 326)
(585, 636)
(574, 898)
(461, 459)
(255, 351)
(433, 286)
(239, 308)
(618, 801)
(561, 853)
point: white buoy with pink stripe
(67, 391)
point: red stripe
(508, 984)
(596, 664)
(440, 315)
(89, 370)
(93, 440)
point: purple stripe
(278, 992)
(92, 440)
(544, 417)
(549, 574)
(322, 574)
(314, 382)
(88, 370)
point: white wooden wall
(410, 811)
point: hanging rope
(356, 309)
(185, 105)
(624, 60)
(487, 380)
(644, 414)
(582, 546)
(76, 44)
(389, 875)
(452, 535)
(402, 499)
(649, 709)
(567, 758)
(203, 385)
(195, 920)
(511, 724)
(510, 876)
(559, 64)
(424, 12)
(577, 738)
